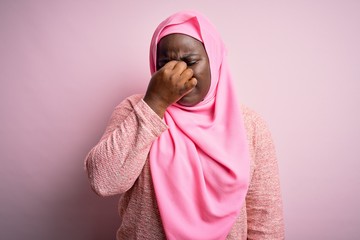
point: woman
(188, 161)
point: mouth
(190, 93)
(188, 99)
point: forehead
(179, 43)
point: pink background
(65, 65)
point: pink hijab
(200, 165)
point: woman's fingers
(170, 83)
(170, 65)
(180, 67)
(177, 73)
(189, 85)
(186, 74)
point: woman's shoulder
(251, 117)
(259, 137)
(130, 100)
(255, 125)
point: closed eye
(190, 63)
(161, 64)
(191, 59)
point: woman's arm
(115, 163)
(263, 201)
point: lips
(192, 92)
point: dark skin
(183, 73)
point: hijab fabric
(200, 165)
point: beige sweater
(119, 164)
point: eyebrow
(191, 55)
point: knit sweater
(119, 164)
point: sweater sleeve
(263, 201)
(114, 164)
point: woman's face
(181, 47)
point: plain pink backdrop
(65, 65)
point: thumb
(190, 85)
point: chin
(188, 101)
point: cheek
(206, 76)
(203, 83)
(202, 73)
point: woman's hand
(168, 85)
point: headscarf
(200, 165)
